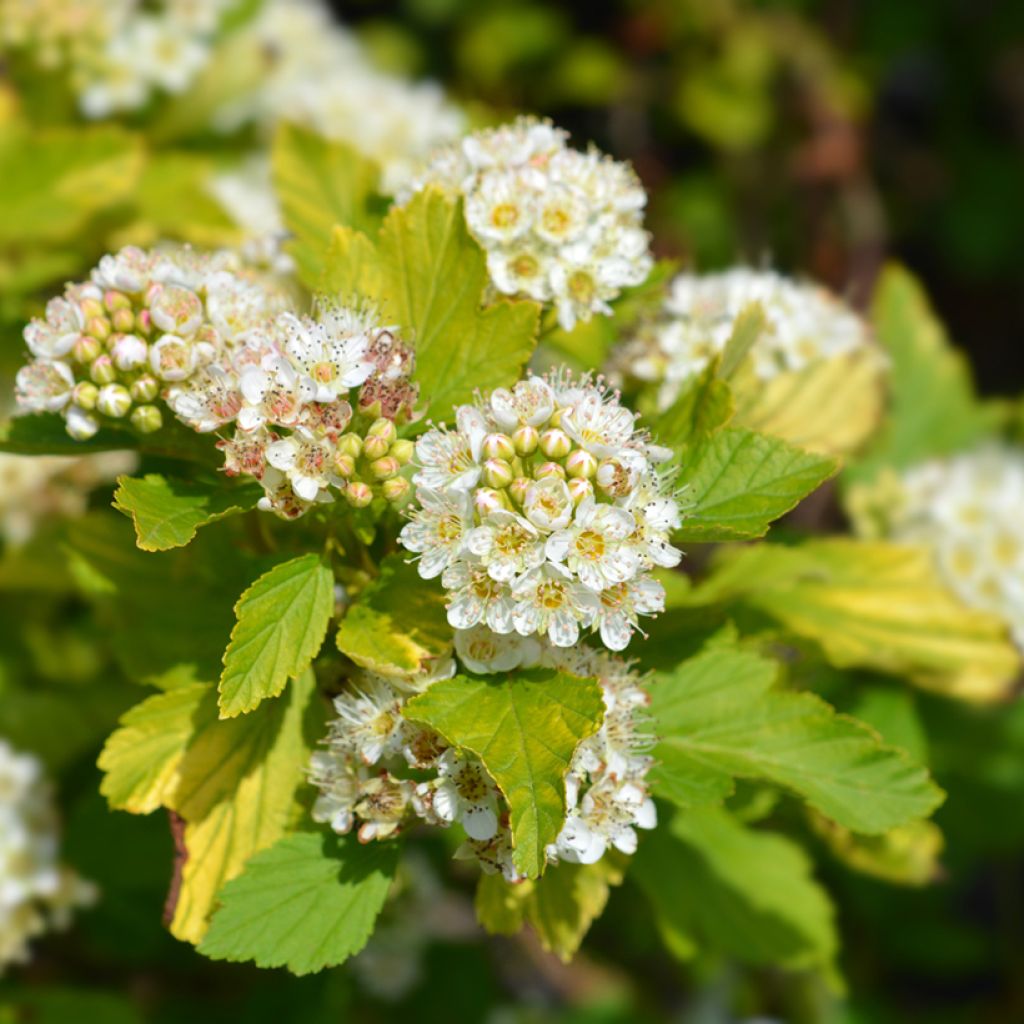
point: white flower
(555, 223)
(465, 793)
(597, 548)
(452, 458)
(474, 597)
(44, 386)
(437, 530)
(506, 544)
(334, 361)
(620, 606)
(482, 650)
(370, 723)
(307, 462)
(549, 601)
(37, 892)
(530, 403)
(272, 393)
(548, 504)
(54, 336)
(165, 53)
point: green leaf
(237, 789)
(561, 905)
(719, 718)
(282, 622)
(933, 406)
(429, 276)
(168, 511)
(525, 729)
(747, 893)
(45, 434)
(140, 760)
(873, 605)
(398, 626)
(308, 902)
(704, 406)
(736, 482)
(747, 328)
(319, 184)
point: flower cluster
(36, 891)
(117, 53)
(557, 225)
(380, 772)
(544, 512)
(968, 510)
(108, 348)
(287, 388)
(804, 323)
(319, 76)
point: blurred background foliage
(822, 136)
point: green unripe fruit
(147, 419)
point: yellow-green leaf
(525, 729)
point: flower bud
(497, 473)
(579, 489)
(555, 419)
(375, 446)
(384, 468)
(499, 446)
(143, 322)
(549, 469)
(102, 370)
(114, 401)
(80, 425)
(403, 450)
(555, 443)
(172, 358)
(98, 327)
(128, 351)
(396, 489)
(344, 464)
(358, 494)
(147, 419)
(123, 320)
(518, 488)
(84, 395)
(85, 349)
(350, 444)
(581, 464)
(526, 439)
(382, 428)
(113, 301)
(486, 500)
(145, 388)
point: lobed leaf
(281, 623)
(736, 482)
(398, 627)
(525, 729)
(308, 902)
(167, 512)
(719, 718)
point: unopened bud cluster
(36, 891)
(557, 225)
(804, 323)
(544, 512)
(108, 348)
(969, 511)
(364, 773)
